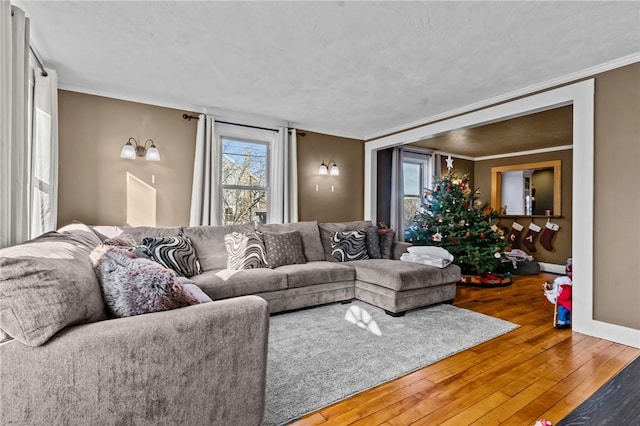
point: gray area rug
(322, 355)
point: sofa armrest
(199, 365)
(400, 247)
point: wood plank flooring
(533, 372)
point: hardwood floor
(533, 372)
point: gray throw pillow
(283, 248)
(373, 243)
(245, 251)
(176, 253)
(349, 245)
(135, 286)
(387, 238)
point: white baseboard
(552, 267)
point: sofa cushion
(47, 284)
(225, 283)
(91, 235)
(176, 253)
(313, 273)
(245, 251)
(209, 243)
(400, 276)
(135, 286)
(309, 232)
(328, 229)
(347, 246)
(139, 233)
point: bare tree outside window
(244, 181)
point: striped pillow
(246, 251)
(349, 245)
(175, 253)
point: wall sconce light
(324, 169)
(148, 150)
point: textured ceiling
(345, 68)
(541, 130)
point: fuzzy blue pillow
(134, 286)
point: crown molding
(129, 98)
(530, 152)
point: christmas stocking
(548, 233)
(512, 239)
(531, 237)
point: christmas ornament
(437, 237)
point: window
(244, 180)
(416, 170)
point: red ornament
(468, 234)
(482, 235)
(454, 240)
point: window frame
(247, 135)
(426, 162)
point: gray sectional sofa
(70, 364)
(390, 284)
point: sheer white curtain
(44, 150)
(397, 192)
(14, 144)
(283, 202)
(205, 192)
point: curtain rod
(193, 117)
(43, 72)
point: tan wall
(346, 201)
(460, 167)
(93, 183)
(562, 241)
(616, 228)
(92, 177)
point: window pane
(411, 176)
(244, 206)
(244, 163)
(411, 205)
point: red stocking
(548, 233)
(531, 237)
(512, 239)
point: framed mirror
(529, 189)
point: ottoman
(398, 286)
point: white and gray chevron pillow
(349, 245)
(245, 251)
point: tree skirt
(489, 279)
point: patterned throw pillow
(246, 251)
(373, 243)
(175, 253)
(134, 286)
(283, 248)
(349, 245)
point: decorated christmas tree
(453, 217)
